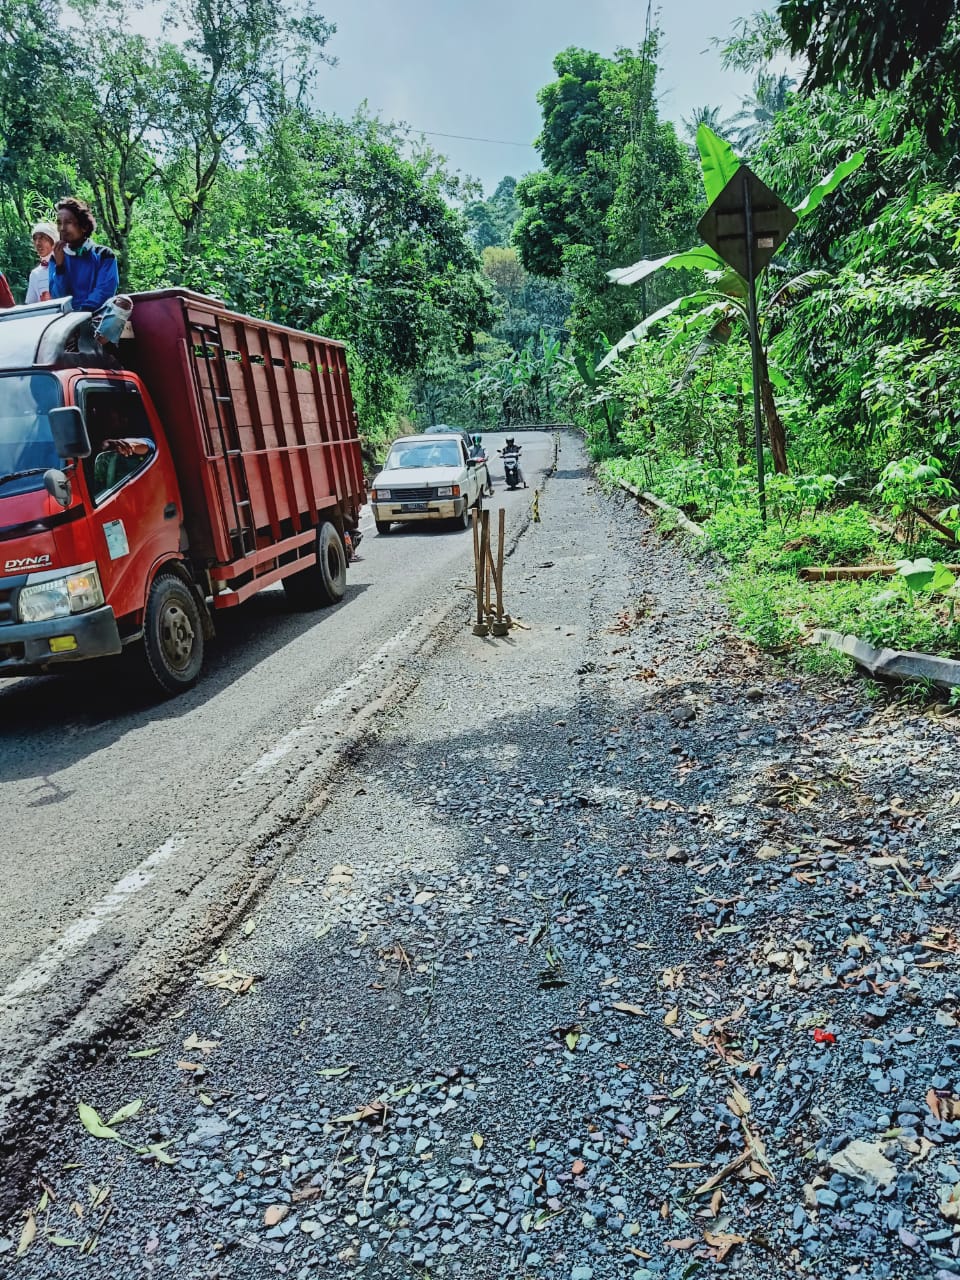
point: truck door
(133, 493)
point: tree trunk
(778, 441)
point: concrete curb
(650, 500)
(892, 664)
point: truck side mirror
(69, 431)
(58, 486)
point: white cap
(45, 229)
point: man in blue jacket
(80, 269)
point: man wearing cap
(80, 269)
(44, 237)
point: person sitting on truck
(44, 236)
(80, 269)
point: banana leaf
(718, 159)
(828, 184)
(701, 257)
(638, 332)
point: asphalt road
(135, 828)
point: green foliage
(764, 610)
(907, 483)
(616, 183)
(881, 45)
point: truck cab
(81, 531)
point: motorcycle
(511, 467)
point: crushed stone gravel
(621, 952)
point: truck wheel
(383, 526)
(322, 583)
(172, 634)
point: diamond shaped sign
(724, 226)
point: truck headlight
(448, 491)
(60, 597)
(380, 495)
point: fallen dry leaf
(737, 1163)
(624, 1006)
(866, 1161)
(723, 1242)
(193, 1041)
(950, 1208)
(672, 1016)
(27, 1235)
(686, 1243)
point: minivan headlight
(60, 597)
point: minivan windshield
(427, 453)
(25, 440)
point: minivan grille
(412, 495)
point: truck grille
(8, 606)
(412, 495)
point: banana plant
(721, 306)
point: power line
(465, 137)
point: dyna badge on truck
(24, 566)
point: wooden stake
(500, 540)
(477, 566)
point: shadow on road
(48, 723)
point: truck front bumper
(436, 509)
(29, 648)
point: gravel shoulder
(619, 951)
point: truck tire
(383, 526)
(322, 583)
(172, 635)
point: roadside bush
(764, 609)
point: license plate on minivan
(414, 506)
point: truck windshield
(25, 440)
(434, 453)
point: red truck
(138, 495)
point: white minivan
(428, 477)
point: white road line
(283, 746)
(38, 975)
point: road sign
(724, 225)
(746, 225)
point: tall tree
(616, 181)
(240, 65)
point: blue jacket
(89, 277)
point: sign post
(745, 226)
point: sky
(474, 69)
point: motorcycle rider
(478, 451)
(512, 449)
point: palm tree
(710, 116)
(755, 118)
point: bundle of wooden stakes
(489, 569)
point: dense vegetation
(859, 351)
(210, 166)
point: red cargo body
(262, 429)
